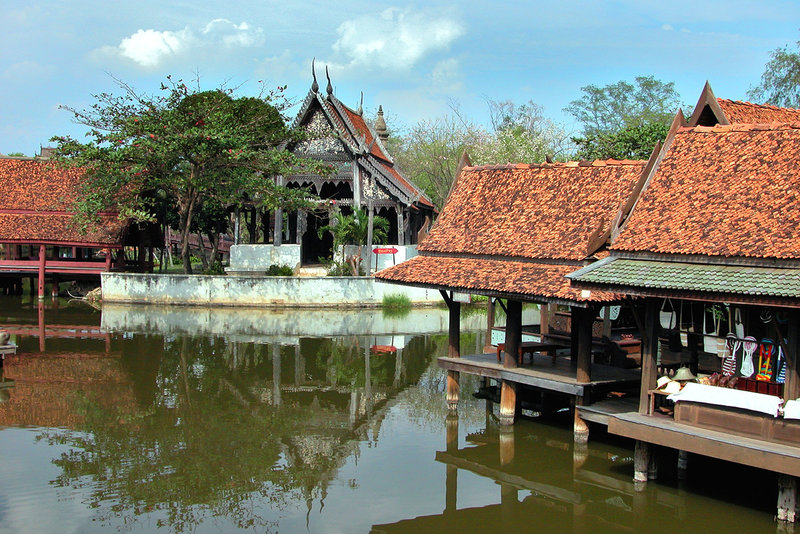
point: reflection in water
(159, 427)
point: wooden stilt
(508, 403)
(453, 349)
(787, 498)
(451, 480)
(649, 354)
(453, 390)
(580, 453)
(580, 430)
(451, 431)
(42, 264)
(509, 500)
(641, 461)
(582, 319)
(41, 326)
(683, 462)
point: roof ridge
(557, 164)
(743, 127)
(754, 104)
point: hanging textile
(733, 351)
(750, 345)
(766, 351)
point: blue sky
(414, 58)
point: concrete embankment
(268, 291)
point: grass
(396, 302)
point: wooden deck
(543, 373)
(601, 411)
(661, 430)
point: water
(146, 419)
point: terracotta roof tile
(538, 211)
(731, 191)
(736, 111)
(513, 278)
(37, 197)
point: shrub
(280, 270)
(215, 268)
(397, 301)
(343, 268)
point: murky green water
(189, 420)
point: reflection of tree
(223, 432)
(204, 447)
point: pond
(148, 419)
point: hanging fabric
(733, 350)
(712, 343)
(781, 366)
(738, 323)
(667, 318)
(686, 326)
(750, 345)
(766, 351)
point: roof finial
(380, 126)
(314, 84)
(360, 110)
(328, 89)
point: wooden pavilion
(365, 176)
(38, 237)
(715, 231)
(512, 232)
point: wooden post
(490, 313)
(508, 391)
(42, 264)
(544, 319)
(641, 461)
(453, 349)
(42, 330)
(451, 480)
(582, 319)
(370, 223)
(649, 352)
(787, 498)
(54, 287)
(400, 232)
(791, 387)
(108, 259)
(580, 430)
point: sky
(415, 58)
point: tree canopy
(624, 120)
(780, 83)
(185, 145)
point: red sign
(386, 250)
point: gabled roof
(361, 140)
(542, 211)
(36, 199)
(516, 230)
(729, 191)
(710, 111)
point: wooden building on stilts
(512, 232)
(712, 241)
(40, 240)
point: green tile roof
(732, 279)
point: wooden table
(531, 347)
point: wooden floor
(543, 373)
(661, 430)
(601, 411)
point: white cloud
(395, 38)
(152, 48)
(667, 27)
(26, 71)
(446, 76)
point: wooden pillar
(451, 481)
(787, 498)
(108, 259)
(42, 264)
(582, 320)
(641, 461)
(54, 287)
(370, 223)
(580, 430)
(400, 233)
(649, 353)
(277, 232)
(237, 221)
(453, 349)
(42, 330)
(544, 319)
(508, 391)
(791, 387)
(490, 312)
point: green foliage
(15, 155)
(630, 142)
(345, 268)
(397, 301)
(353, 228)
(280, 270)
(215, 268)
(180, 151)
(780, 83)
(619, 105)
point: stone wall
(258, 258)
(274, 291)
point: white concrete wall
(258, 258)
(276, 291)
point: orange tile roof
(723, 191)
(543, 211)
(499, 277)
(35, 201)
(737, 111)
(363, 129)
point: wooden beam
(649, 353)
(508, 403)
(42, 266)
(791, 386)
(582, 320)
(513, 333)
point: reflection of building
(39, 238)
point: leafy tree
(353, 229)
(186, 145)
(15, 155)
(780, 83)
(624, 120)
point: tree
(353, 229)
(624, 120)
(187, 145)
(780, 83)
